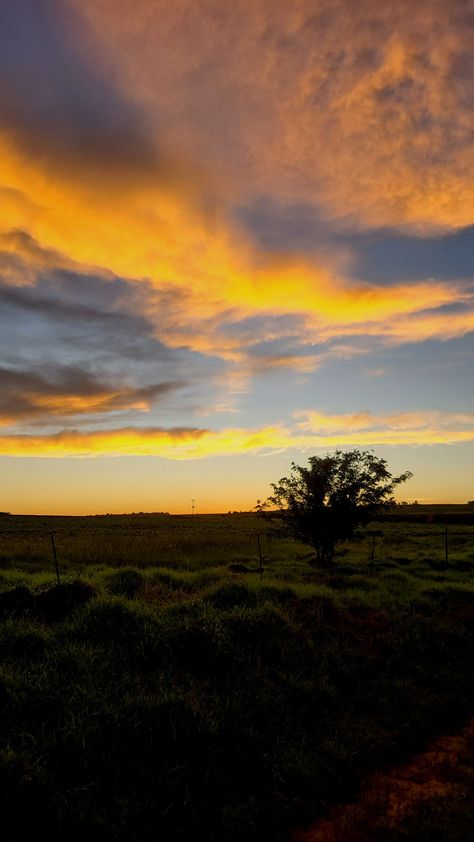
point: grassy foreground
(176, 696)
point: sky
(233, 235)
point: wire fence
(176, 543)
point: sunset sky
(233, 234)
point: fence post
(372, 554)
(55, 558)
(446, 546)
(259, 557)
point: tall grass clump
(125, 582)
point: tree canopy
(324, 503)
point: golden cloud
(176, 444)
(366, 429)
(156, 235)
(314, 431)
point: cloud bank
(317, 431)
(135, 140)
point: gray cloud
(52, 391)
(82, 343)
(54, 303)
(378, 256)
(55, 99)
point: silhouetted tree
(323, 504)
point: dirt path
(388, 796)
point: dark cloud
(58, 102)
(29, 395)
(284, 227)
(391, 256)
(379, 256)
(83, 343)
(21, 243)
(77, 308)
(40, 301)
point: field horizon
(399, 508)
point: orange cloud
(168, 221)
(75, 404)
(404, 428)
(408, 327)
(362, 107)
(315, 431)
(174, 444)
(29, 396)
(155, 234)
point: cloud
(129, 144)
(315, 431)
(408, 328)
(58, 103)
(22, 259)
(211, 315)
(69, 391)
(173, 443)
(86, 323)
(74, 301)
(83, 311)
(405, 428)
(365, 109)
(173, 237)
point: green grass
(175, 698)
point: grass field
(168, 691)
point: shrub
(110, 620)
(271, 593)
(231, 595)
(20, 639)
(15, 602)
(125, 583)
(55, 604)
(51, 605)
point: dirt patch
(387, 797)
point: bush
(51, 605)
(20, 639)
(125, 583)
(232, 594)
(271, 593)
(55, 604)
(16, 602)
(112, 620)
